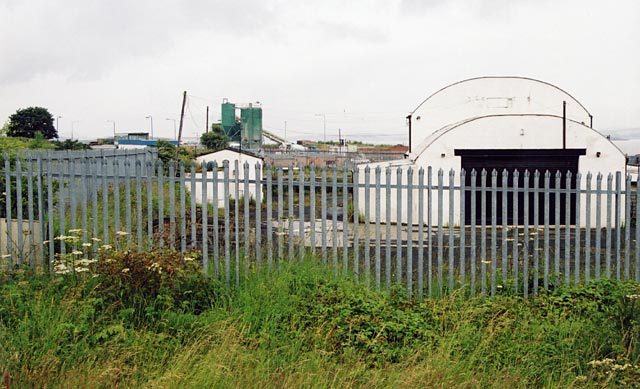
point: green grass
(303, 327)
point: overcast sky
(363, 64)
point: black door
(541, 160)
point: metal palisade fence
(431, 231)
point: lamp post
(58, 125)
(324, 125)
(175, 135)
(72, 125)
(151, 119)
(114, 129)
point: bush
(141, 286)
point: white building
(242, 166)
(511, 123)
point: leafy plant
(141, 286)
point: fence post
(420, 233)
(204, 234)
(578, 229)
(515, 254)
(473, 231)
(367, 224)
(399, 225)
(388, 227)
(494, 223)
(378, 182)
(258, 213)
(525, 230)
(451, 230)
(440, 233)
(269, 183)
(598, 224)
(609, 224)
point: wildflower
(633, 296)
(487, 262)
(606, 361)
(86, 245)
(95, 239)
(125, 270)
(75, 231)
(122, 233)
(81, 269)
(106, 247)
(70, 238)
(77, 252)
(45, 241)
(6, 256)
(61, 268)
(86, 262)
(188, 259)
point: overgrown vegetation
(154, 320)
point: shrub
(141, 286)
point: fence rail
(432, 232)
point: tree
(4, 129)
(214, 139)
(70, 144)
(29, 121)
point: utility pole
(175, 134)
(72, 125)
(114, 129)
(285, 130)
(206, 129)
(184, 101)
(151, 118)
(324, 125)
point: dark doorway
(542, 160)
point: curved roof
(499, 77)
(491, 95)
(521, 118)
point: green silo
(251, 119)
(229, 125)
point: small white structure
(242, 166)
(511, 123)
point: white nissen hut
(502, 123)
(243, 167)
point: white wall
(232, 157)
(241, 167)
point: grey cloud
(348, 31)
(89, 37)
(419, 6)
